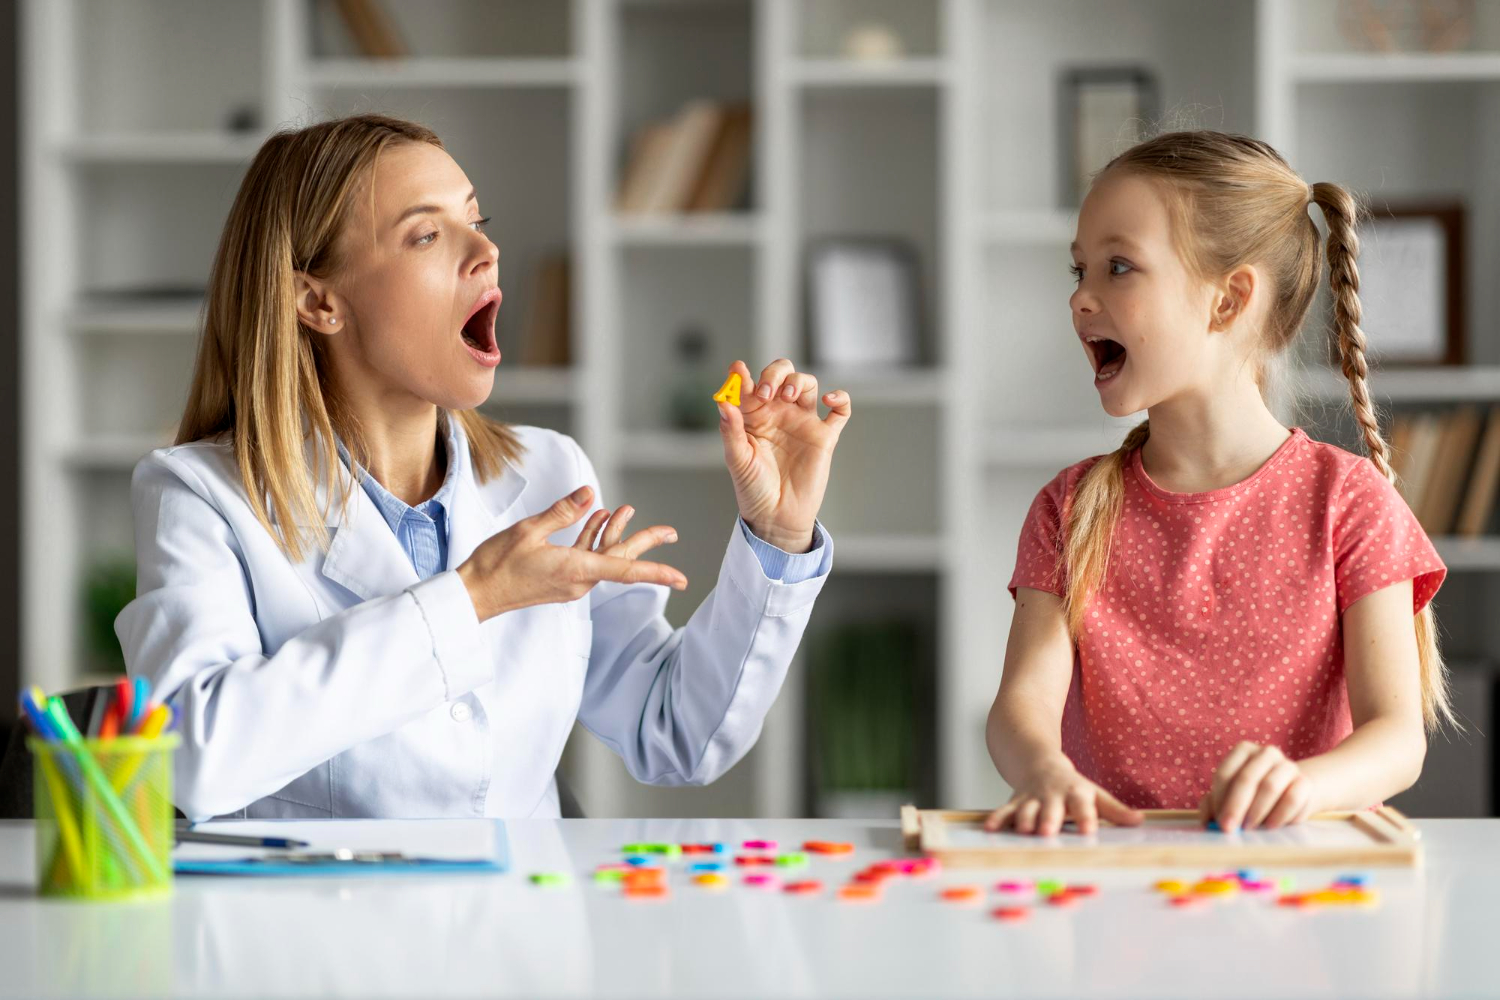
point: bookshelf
(950, 142)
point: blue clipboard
(375, 847)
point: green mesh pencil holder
(104, 827)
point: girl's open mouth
(1109, 357)
(479, 335)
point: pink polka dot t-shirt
(1219, 617)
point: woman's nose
(486, 254)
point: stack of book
(1447, 466)
(698, 161)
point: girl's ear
(317, 308)
(1233, 297)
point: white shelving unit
(129, 170)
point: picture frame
(1411, 285)
(863, 302)
(1102, 111)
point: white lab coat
(343, 686)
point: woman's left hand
(778, 451)
(1258, 786)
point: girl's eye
(1076, 271)
(481, 223)
(424, 240)
(1118, 263)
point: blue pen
(140, 699)
(38, 716)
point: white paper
(434, 839)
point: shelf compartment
(1321, 31)
(667, 291)
(883, 629)
(455, 29)
(868, 168)
(140, 227)
(1027, 47)
(825, 26)
(121, 47)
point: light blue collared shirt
(423, 530)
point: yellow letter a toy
(729, 392)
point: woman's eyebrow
(420, 209)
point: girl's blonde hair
(261, 377)
(1235, 201)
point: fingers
(643, 541)
(1228, 768)
(997, 819)
(750, 399)
(840, 406)
(1295, 804)
(1236, 800)
(590, 533)
(618, 569)
(1269, 792)
(771, 379)
(616, 527)
(802, 389)
(738, 451)
(1026, 816)
(561, 514)
(1050, 820)
(1117, 812)
(1080, 807)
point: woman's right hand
(1054, 791)
(518, 567)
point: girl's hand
(1257, 786)
(518, 567)
(778, 451)
(1054, 792)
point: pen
(236, 840)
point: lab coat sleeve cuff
(453, 627)
(788, 567)
(773, 597)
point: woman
(364, 599)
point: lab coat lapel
(479, 513)
(364, 556)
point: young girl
(1222, 613)
(363, 598)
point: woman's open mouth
(478, 331)
(1108, 357)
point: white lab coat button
(460, 711)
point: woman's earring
(332, 320)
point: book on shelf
(698, 161)
(1449, 470)
(727, 168)
(370, 26)
(545, 335)
(1426, 431)
(1479, 500)
(1447, 467)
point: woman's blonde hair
(261, 377)
(1235, 201)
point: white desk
(1434, 932)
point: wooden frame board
(1169, 838)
